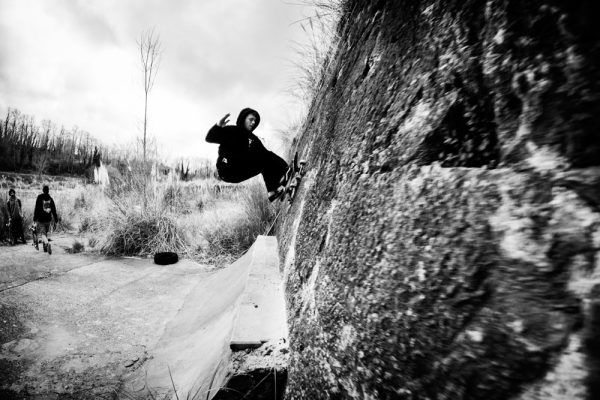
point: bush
(134, 231)
(77, 247)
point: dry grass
(141, 234)
(205, 220)
(227, 227)
(314, 54)
(124, 224)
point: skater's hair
(244, 113)
(46, 189)
(11, 192)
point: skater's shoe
(49, 248)
(45, 247)
(287, 176)
(277, 193)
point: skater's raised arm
(213, 135)
(224, 120)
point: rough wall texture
(445, 241)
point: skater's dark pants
(270, 165)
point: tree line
(46, 148)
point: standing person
(242, 155)
(15, 217)
(45, 209)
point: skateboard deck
(298, 171)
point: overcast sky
(76, 62)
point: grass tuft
(133, 230)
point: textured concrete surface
(261, 315)
(241, 306)
(75, 326)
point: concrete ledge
(261, 316)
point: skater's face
(250, 122)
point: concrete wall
(444, 243)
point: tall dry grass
(204, 220)
(228, 232)
(314, 55)
(137, 231)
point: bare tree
(149, 45)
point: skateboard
(11, 239)
(298, 169)
(34, 236)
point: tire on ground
(166, 258)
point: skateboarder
(45, 209)
(242, 155)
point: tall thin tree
(149, 45)
(150, 49)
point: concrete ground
(77, 326)
(73, 325)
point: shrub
(77, 247)
(133, 231)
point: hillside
(444, 243)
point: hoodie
(44, 209)
(235, 141)
(242, 117)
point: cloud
(86, 18)
(76, 62)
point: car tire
(166, 258)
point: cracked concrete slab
(75, 324)
(88, 327)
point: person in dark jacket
(242, 155)
(15, 217)
(45, 209)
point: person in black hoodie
(45, 209)
(242, 155)
(15, 217)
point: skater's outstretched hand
(224, 120)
